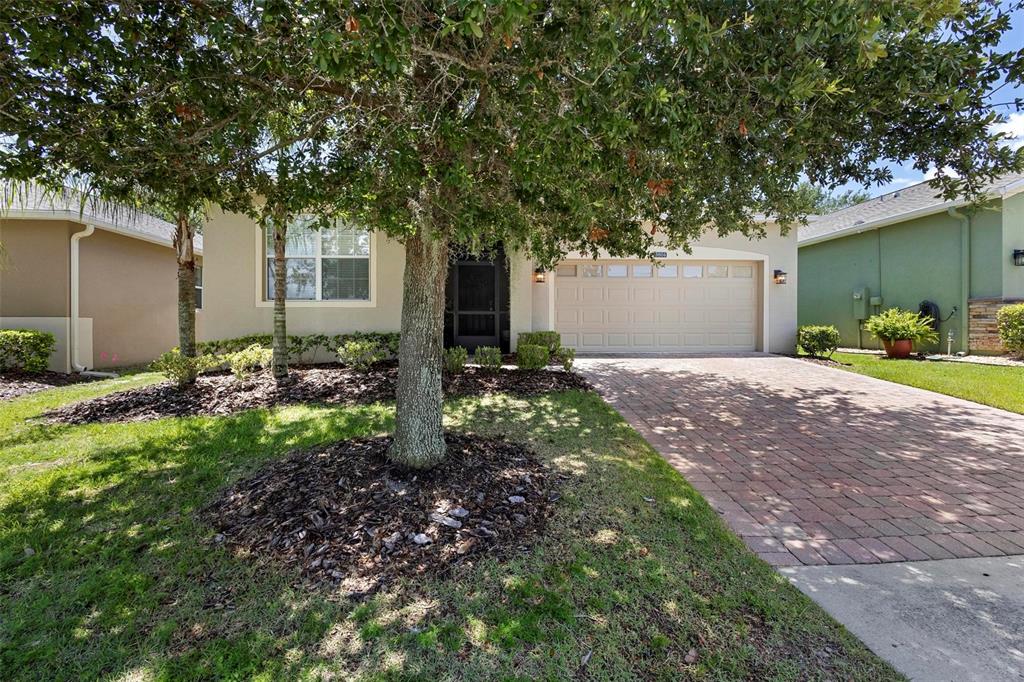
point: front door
(477, 303)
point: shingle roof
(32, 201)
(902, 204)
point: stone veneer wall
(984, 333)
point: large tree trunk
(184, 235)
(419, 436)
(280, 345)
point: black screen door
(476, 306)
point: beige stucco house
(725, 296)
(102, 280)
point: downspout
(73, 330)
(965, 278)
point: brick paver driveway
(814, 465)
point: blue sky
(907, 175)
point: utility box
(861, 299)
(876, 301)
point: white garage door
(679, 306)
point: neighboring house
(909, 246)
(722, 297)
(103, 280)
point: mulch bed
(222, 394)
(344, 516)
(14, 384)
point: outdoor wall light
(779, 277)
(539, 276)
(1018, 256)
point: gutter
(73, 327)
(965, 278)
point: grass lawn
(997, 386)
(108, 574)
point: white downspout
(73, 331)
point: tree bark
(184, 236)
(280, 344)
(419, 435)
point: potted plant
(899, 330)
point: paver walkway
(814, 465)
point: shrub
(550, 340)
(27, 349)
(566, 356)
(248, 360)
(301, 345)
(532, 356)
(895, 324)
(362, 354)
(819, 340)
(455, 359)
(489, 358)
(181, 369)
(1011, 327)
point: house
(909, 247)
(730, 294)
(102, 279)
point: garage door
(679, 306)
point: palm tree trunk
(280, 344)
(419, 436)
(184, 236)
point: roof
(908, 203)
(33, 203)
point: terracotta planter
(898, 348)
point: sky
(904, 176)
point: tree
(819, 201)
(131, 98)
(556, 126)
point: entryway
(477, 302)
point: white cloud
(932, 173)
(1014, 128)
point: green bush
(183, 370)
(819, 340)
(489, 358)
(455, 359)
(362, 354)
(895, 324)
(532, 356)
(550, 340)
(26, 349)
(1011, 328)
(566, 356)
(300, 346)
(248, 360)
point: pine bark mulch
(14, 383)
(345, 517)
(222, 394)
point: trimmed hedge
(455, 359)
(532, 356)
(26, 349)
(489, 358)
(1011, 327)
(550, 340)
(300, 345)
(820, 340)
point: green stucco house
(910, 246)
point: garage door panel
(697, 312)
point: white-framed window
(593, 271)
(742, 271)
(325, 264)
(643, 271)
(718, 271)
(618, 270)
(668, 271)
(693, 271)
(565, 271)
(199, 287)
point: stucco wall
(905, 264)
(34, 275)
(1013, 238)
(129, 288)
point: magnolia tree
(557, 126)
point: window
(643, 271)
(668, 271)
(565, 271)
(593, 271)
(693, 271)
(199, 287)
(327, 264)
(742, 271)
(618, 271)
(718, 271)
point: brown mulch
(14, 383)
(222, 394)
(344, 516)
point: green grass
(122, 581)
(998, 386)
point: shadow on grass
(635, 569)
